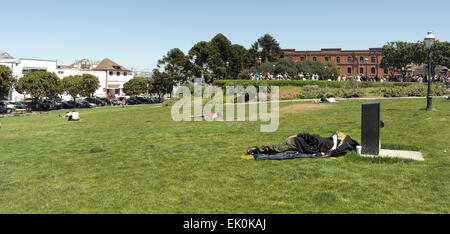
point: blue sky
(136, 33)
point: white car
(10, 105)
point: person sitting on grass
(73, 116)
(308, 145)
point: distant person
(73, 116)
(124, 102)
(208, 115)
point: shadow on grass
(354, 157)
(400, 147)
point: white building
(111, 75)
(114, 76)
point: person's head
(327, 144)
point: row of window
(361, 70)
(111, 73)
(26, 71)
(349, 59)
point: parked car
(95, 100)
(84, 104)
(68, 104)
(45, 104)
(145, 100)
(135, 101)
(115, 102)
(107, 101)
(3, 108)
(158, 100)
(7, 106)
(57, 104)
(20, 105)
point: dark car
(20, 105)
(3, 108)
(134, 101)
(68, 104)
(145, 100)
(158, 100)
(95, 100)
(58, 104)
(45, 104)
(83, 104)
(115, 102)
(107, 101)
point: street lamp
(367, 63)
(228, 63)
(429, 42)
(203, 71)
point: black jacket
(309, 144)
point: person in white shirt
(73, 116)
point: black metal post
(429, 95)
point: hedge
(301, 83)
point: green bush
(395, 92)
(417, 90)
(301, 83)
(439, 90)
(350, 93)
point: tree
(440, 54)
(176, 65)
(398, 55)
(90, 84)
(223, 45)
(332, 70)
(73, 85)
(39, 84)
(240, 60)
(161, 83)
(136, 86)
(285, 65)
(7, 81)
(266, 48)
(311, 67)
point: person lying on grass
(207, 115)
(336, 145)
(73, 116)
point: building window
(349, 60)
(314, 59)
(60, 72)
(110, 73)
(385, 71)
(338, 59)
(373, 70)
(118, 73)
(361, 70)
(349, 70)
(326, 59)
(373, 59)
(302, 58)
(125, 73)
(361, 60)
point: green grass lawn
(137, 160)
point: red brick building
(351, 62)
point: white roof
(4, 55)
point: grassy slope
(137, 160)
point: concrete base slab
(414, 155)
